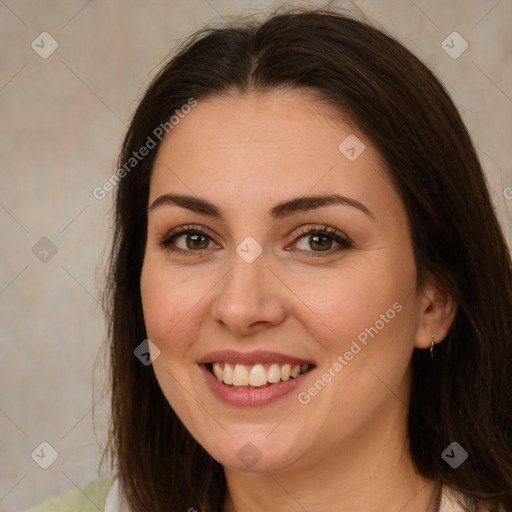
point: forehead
(258, 146)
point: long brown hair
(463, 394)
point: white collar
(449, 500)
(115, 501)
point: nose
(249, 298)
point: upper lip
(251, 358)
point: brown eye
(193, 241)
(321, 240)
(187, 241)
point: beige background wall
(62, 119)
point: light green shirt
(90, 497)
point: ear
(437, 313)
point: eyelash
(343, 240)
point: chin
(256, 454)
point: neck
(371, 471)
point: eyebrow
(279, 211)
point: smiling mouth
(256, 376)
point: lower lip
(249, 396)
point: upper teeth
(256, 375)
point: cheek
(170, 306)
(367, 315)
(168, 303)
(362, 295)
(364, 318)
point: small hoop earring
(432, 346)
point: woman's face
(240, 275)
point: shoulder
(89, 497)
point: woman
(306, 251)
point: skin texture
(346, 449)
